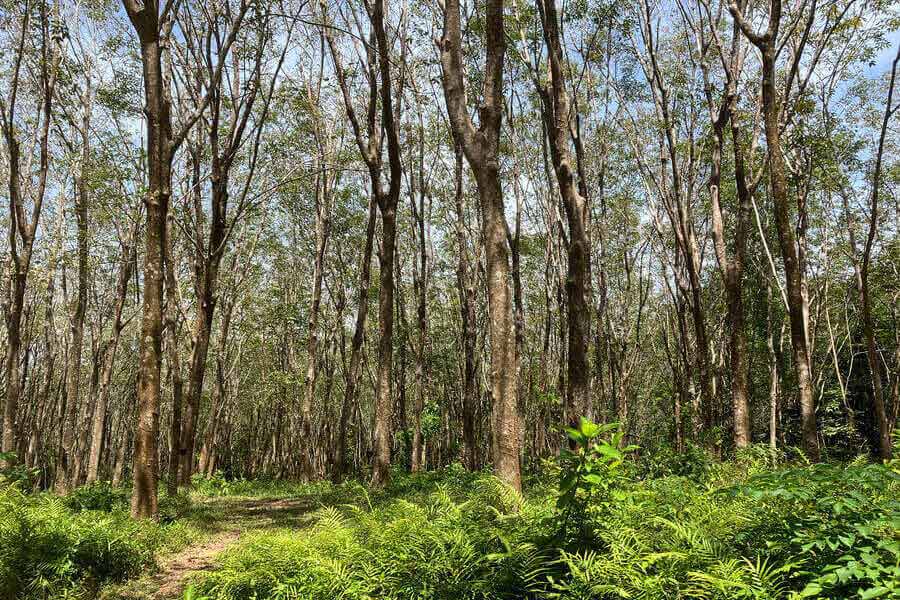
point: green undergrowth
(52, 547)
(595, 525)
(322, 492)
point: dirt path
(242, 516)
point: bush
(843, 521)
(16, 473)
(427, 544)
(100, 495)
(607, 532)
(51, 546)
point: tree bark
(323, 229)
(481, 148)
(171, 326)
(768, 46)
(64, 473)
(465, 287)
(731, 267)
(557, 117)
(420, 282)
(145, 19)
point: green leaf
(812, 589)
(873, 592)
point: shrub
(99, 495)
(16, 473)
(821, 531)
(425, 545)
(51, 546)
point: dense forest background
(309, 240)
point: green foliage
(100, 495)
(218, 485)
(460, 536)
(844, 521)
(15, 473)
(592, 473)
(213, 485)
(747, 529)
(694, 462)
(53, 547)
(46, 548)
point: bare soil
(241, 517)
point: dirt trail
(242, 516)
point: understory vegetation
(593, 526)
(53, 547)
(601, 521)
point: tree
(481, 148)
(768, 43)
(23, 227)
(150, 20)
(557, 120)
(231, 124)
(380, 88)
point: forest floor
(239, 516)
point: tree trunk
(793, 269)
(787, 242)
(557, 119)
(323, 226)
(420, 282)
(481, 148)
(383, 402)
(171, 325)
(126, 261)
(732, 267)
(22, 229)
(861, 267)
(64, 474)
(465, 287)
(359, 330)
(387, 205)
(207, 450)
(144, 500)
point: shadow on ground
(224, 521)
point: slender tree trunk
(793, 275)
(465, 287)
(387, 205)
(353, 375)
(171, 326)
(64, 474)
(420, 278)
(144, 500)
(22, 229)
(732, 267)
(323, 226)
(207, 450)
(885, 424)
(793, 269)
(481, 148)
(383, 401)
(109, 357)
(557, 119)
